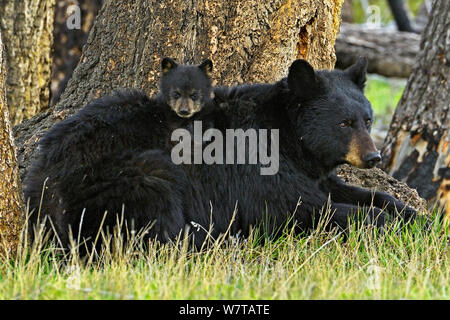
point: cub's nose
(184, 112)
(372, 158)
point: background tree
(27, 27)
(248, 40)
(11, 199)
(68, 41)
(416, 149)
(400, 15)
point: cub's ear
(303, 80)
(168, 64)
(206, 66)
(357, 72)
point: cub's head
(185, 88)
(332, 116)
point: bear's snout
(362, 152)
(372, 159)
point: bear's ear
(168, 64)
(206, 66)
(357, 72)
(303, 80)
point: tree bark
(11, 198)
(248, 41)
(390, 53)
(416, 149)
(27, 27)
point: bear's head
(186, 88)
(331, 115)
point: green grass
(384, 95)
(397, 264)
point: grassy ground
(406, 264)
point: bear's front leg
(394, 206)
(344, 193)
(342, 214)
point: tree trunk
(390, 53)
(416, 149)
(347, 11)
(11, 199)
(248, 41)
(69, 38)
(400, 15)
(27, 27)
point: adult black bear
(114, 155)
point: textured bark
(11, 199)
(416, 149)
(27, 27)
(390, 53)
(68, 43)
(248, 41)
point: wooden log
(390, 53)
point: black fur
(116, 151)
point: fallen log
(390, 53)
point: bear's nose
(372, 158)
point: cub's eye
(368, 122)
(194, 96)
(345, 123)
(176, 95)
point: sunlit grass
(409, 263)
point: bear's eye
(194, 96)
(345, 123)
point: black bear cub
(122, 140)
(186, 89)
